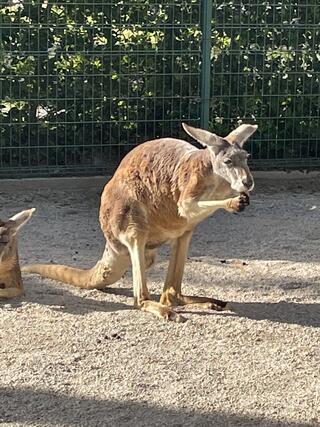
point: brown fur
(154, 198)
(10, 274)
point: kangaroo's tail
(81, 278)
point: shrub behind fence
(82, 82)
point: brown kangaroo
(161, 190)
(10, 274)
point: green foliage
(81, 82)
(265, 69)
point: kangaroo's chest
(186, 217)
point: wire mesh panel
(82, 82)
(266, 69)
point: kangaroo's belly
(160, 232)
(156, 240)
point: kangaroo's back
(150, 169)
(146, 187)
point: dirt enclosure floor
(71, 357)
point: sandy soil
(86, 358)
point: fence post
(205, 74)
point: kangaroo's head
(8, 231)
(229, 159)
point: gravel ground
(71, 357)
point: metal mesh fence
(266, 69)
(83, 81)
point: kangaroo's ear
(241, 134)
(19, 220)
(205, 138)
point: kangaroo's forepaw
(245, 199)
(239, 203)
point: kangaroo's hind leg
(136, 247)
(172, 295)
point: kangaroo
(10, 273)
(161, 190)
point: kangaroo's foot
(205, 302)
(171, 299)
(161, 311)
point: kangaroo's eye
(228, 162)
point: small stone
(116, 336)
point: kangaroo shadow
(27, 406)
(59, 298)
(127, 292)
(282, 312)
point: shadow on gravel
(27, 406)
(63, 300)
(282, 312)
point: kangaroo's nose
(247, 182)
